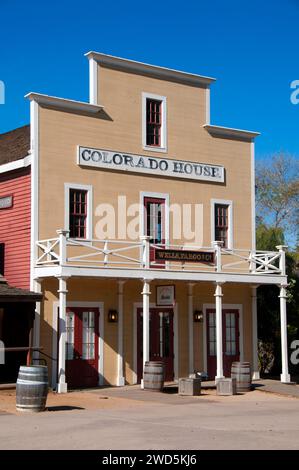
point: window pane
(221, 223)
(70, 330)
(88, 336)
(153, 122)
(78, 213)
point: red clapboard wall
(15, 227)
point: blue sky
(251, 47)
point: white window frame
(163, 147)
(164, 196)
(88, 188)
(230, 239)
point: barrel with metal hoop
(32, 388)
(241, 371)
(153, 376)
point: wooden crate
(226, 386)
(189, 386)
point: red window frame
(153, 122)
(78, 213)
(222, 223)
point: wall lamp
(112, 316)
(197, 316)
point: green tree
(277, 193)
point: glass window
(88, 336)
(212, 333)
(221, 223)
(78, 213)
(70, 336)
(153, 122)
(230, 334)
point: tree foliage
(277, 196)
(277, 192)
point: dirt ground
(77, 400)
(131, 418)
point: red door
(154, 224)
(231, 344)
(82, 347)
(161, 340)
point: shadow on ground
(64, 408)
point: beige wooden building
(143, 230)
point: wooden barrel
(153, 376)
(241, 371)
(32, 388)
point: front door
(161, 340)
(82, 345)
(231, 344)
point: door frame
(80, 304)
(175, 310)
(206, 307)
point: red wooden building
(17, 303)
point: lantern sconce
(112, 316)
(197, 316)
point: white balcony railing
(108, 253)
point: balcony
(126, 259)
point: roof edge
(148, 69)
(230, 132)
(64, 103)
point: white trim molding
(64, 103)
(230, 234)
(165, 196)
(230, 133)
(100, 306)
(132, 66)
(206, 307)
(83, 187)
(16, 165)
(93, 82)
(163, 147)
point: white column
(37, 287)
(285, 376)
(190, 324)
(62, 385)
(120, 355)
(146, 313)
(255, 364)
(219, 335)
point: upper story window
(154, 130)
(222, 229)
(78, 213)
(78, 206)
(221, 223)
(153, 122)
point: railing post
(252, 263)
(62, 234)
(145, 251)
(106, 253)
(282, 260)
(217, 247)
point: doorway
(231, 340)
(161, 340)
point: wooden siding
(15, 227)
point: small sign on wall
(166, 295)
(6, 202)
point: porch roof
(15, 294)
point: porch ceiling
(156, 274)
